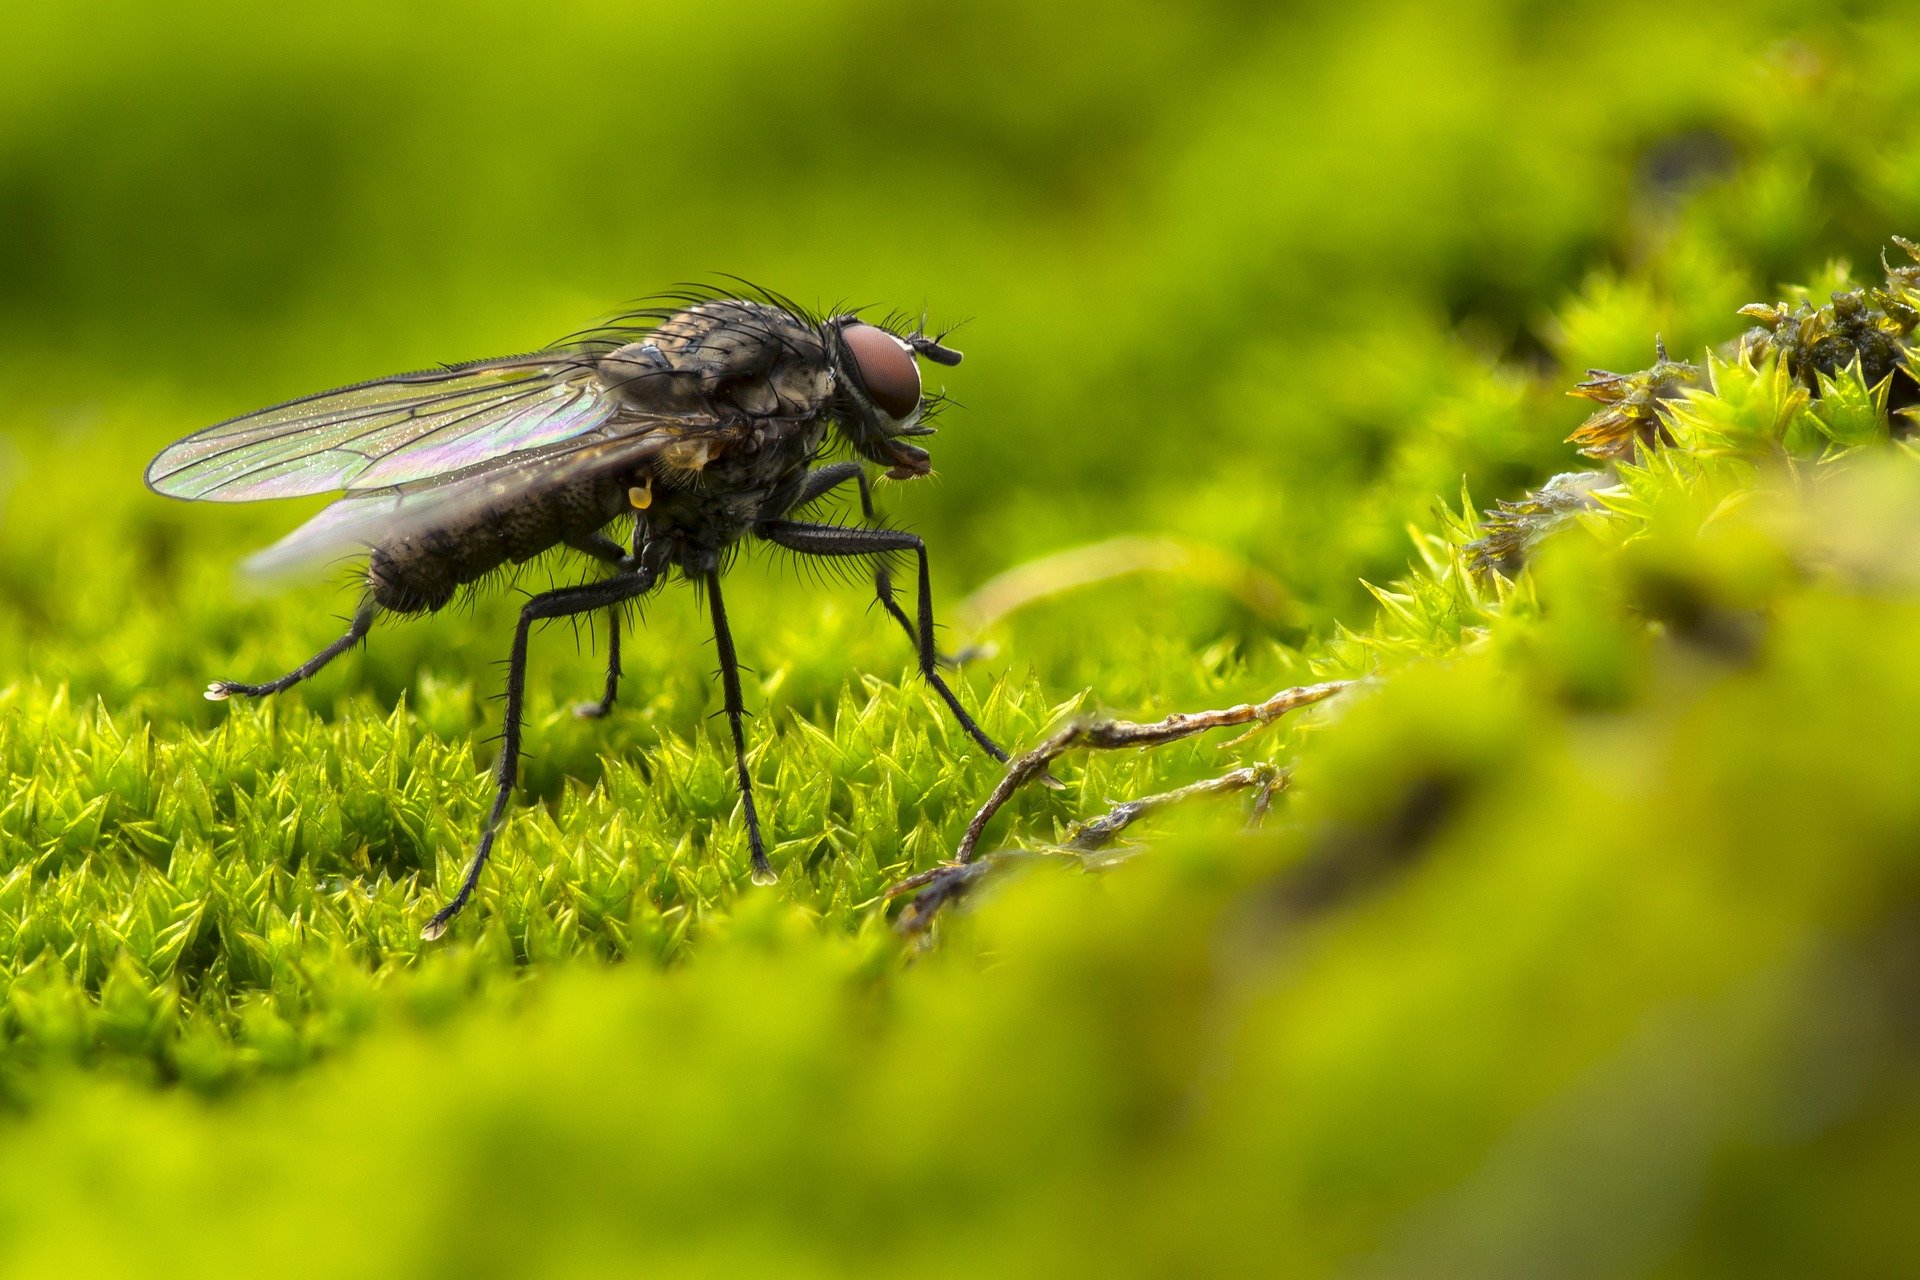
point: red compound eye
(886, 368)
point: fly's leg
(221, 690)
(833, 540)
(563, 603)
(597, 710)
(736, 712)
(824, 480)
(607, 551)
(819, 483)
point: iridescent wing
(387, 517)
(392, 431)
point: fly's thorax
(691, 514)
(726, 354)
(747, 456)
(691, 520)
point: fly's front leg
(824, 480)
(833, 540)
(827, 478)
(221, 690)
(564, 603)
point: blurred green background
(1215, 262)
(1272, 280)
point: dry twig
(1087, 837)
(940, 885)
(1115, 734)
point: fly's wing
(358, 522)
(392, 431)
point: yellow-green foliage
(1582, 940)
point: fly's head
(878, 400)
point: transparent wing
(356, 523)
(388, 432)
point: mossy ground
(1581, 941)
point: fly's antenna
(933, 350)
(935, 347)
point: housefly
(703, 420)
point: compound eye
(886, 368)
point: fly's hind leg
(221, 690)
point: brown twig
(1086, 837)
(938, 886)
(950, 881)
(1115, 734)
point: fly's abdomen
(421, 572)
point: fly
(704, 421)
